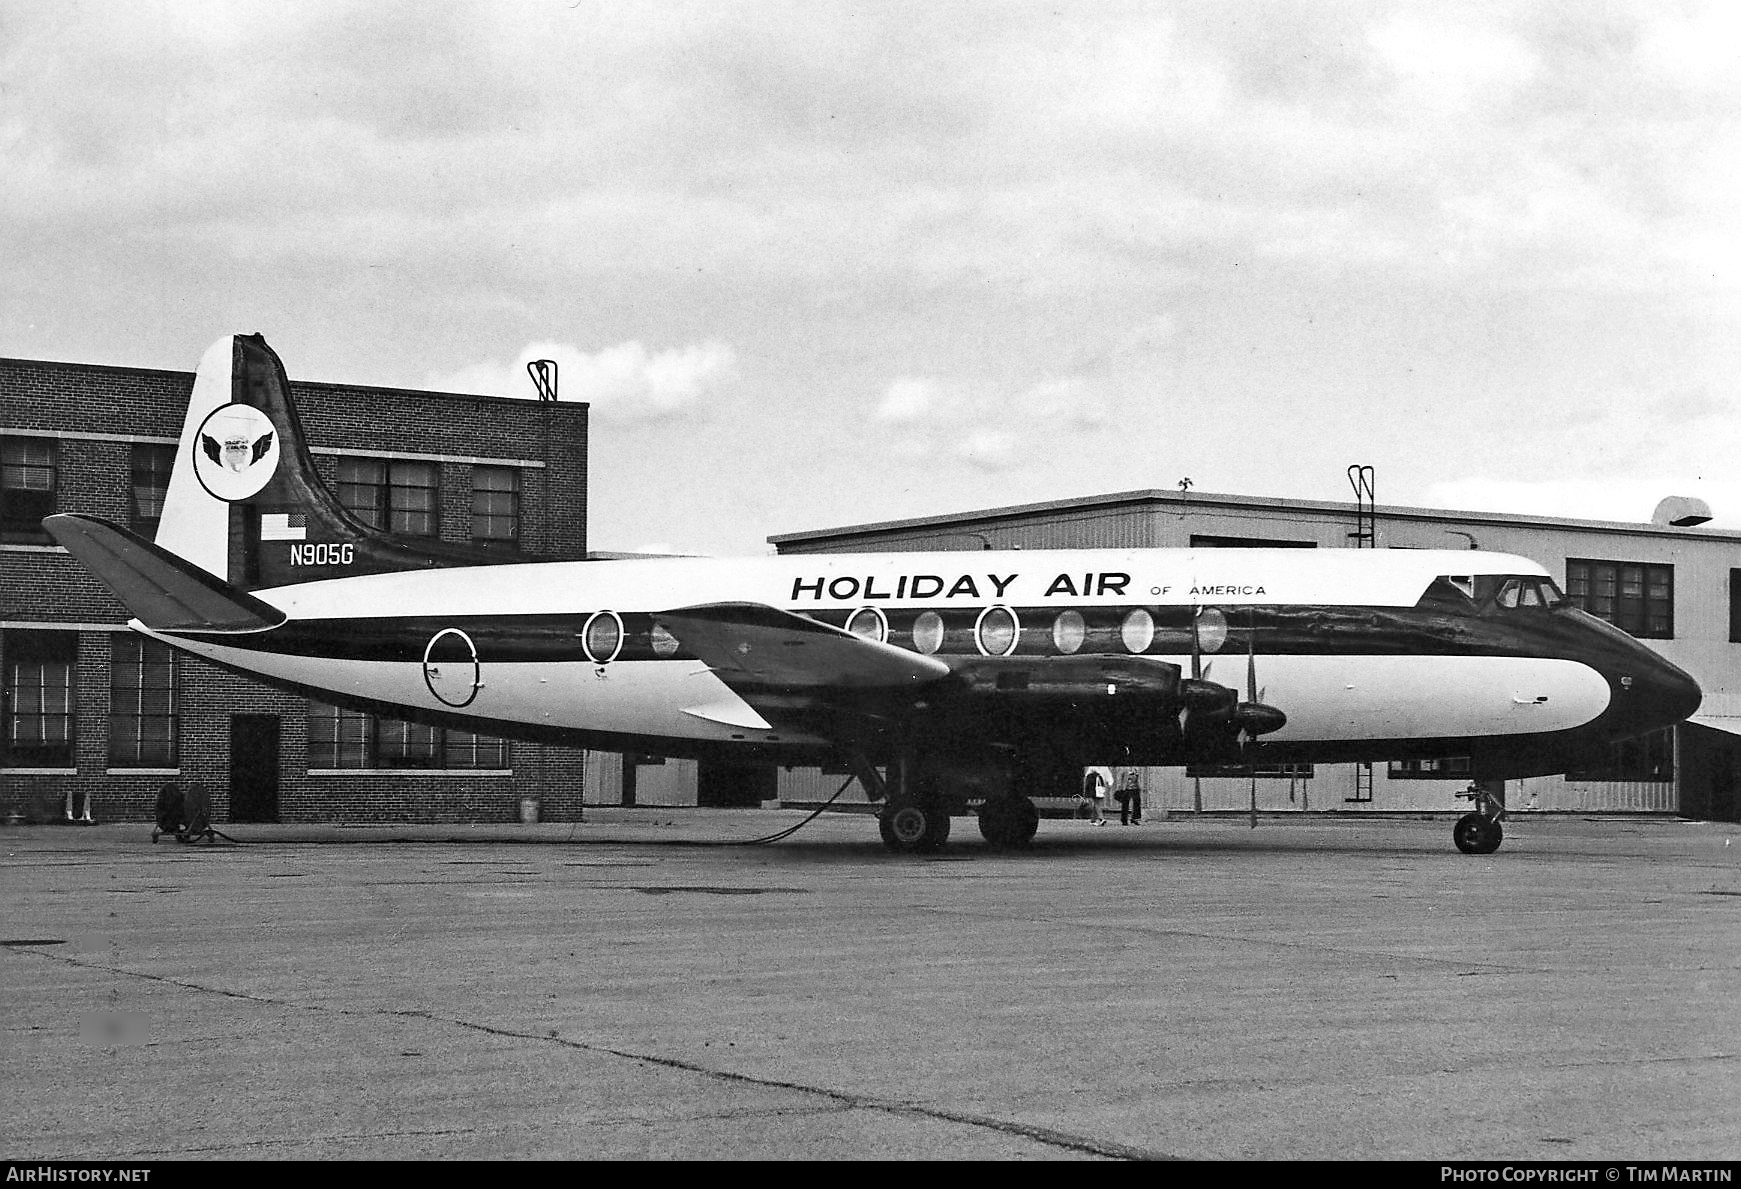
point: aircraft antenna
(1365, 534)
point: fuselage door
(450, 668)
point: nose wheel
(1477, 834)
(1480, 833)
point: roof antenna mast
(1365, 534)
(543, 373)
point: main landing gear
(917, 803)
(1480, 833)
(1009, 821)
(914, 827)
(914, 818)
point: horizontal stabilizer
(161, 590)
(754, 644)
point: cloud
(989, 450)
(926, 418)
(909, 400)
(624, 383)
(1449, 66)
(1066, 404)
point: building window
(362, 489)
(1647, 758)
(464, 749)
(1633, 596)
(400, 744)
(339, 738)
(496, 506)
(395, 494)
(142, 698)
(1210, 541)
(39, 699)
(152, 463)
(29, 479)
(414, 498)
(1450, 768)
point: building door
(253, 767)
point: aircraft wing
(755, 648)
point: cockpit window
(1507, 592)
(1515, 592)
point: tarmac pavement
(1319, 988)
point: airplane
(935, 677)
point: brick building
(93, 710)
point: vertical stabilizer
(246, 503)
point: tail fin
(245, 502)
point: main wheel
(994, 822)
(1477, 834)
(1009, 821)
(912, 827)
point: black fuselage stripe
(1268, 631)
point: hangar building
(1675, 586)
(100, 715)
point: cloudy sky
(821, 263)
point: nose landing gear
(1479, 833)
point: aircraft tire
(1495, 835)
(992, 826)
(911, 828)
(997, 823)
(1477, 834)
(1009, 821)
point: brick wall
(47, 587)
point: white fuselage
(1338, 694)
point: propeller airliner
(926, 674)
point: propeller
(1207, 705)
(1254, 718)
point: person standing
(1094, 786)
(1130, 801)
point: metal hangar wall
(1678, 588)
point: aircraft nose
(1658, 693)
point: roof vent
(1682, 511)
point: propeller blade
(1251, 657)
(1245, 734)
